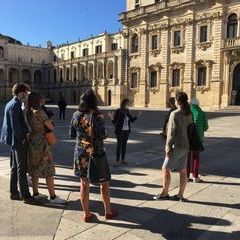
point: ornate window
(134, 43)
(204, 35)
(72, 54)
(176, 76)
(203, 31)
(1, 52)
(202, 75)
(232, 26)
(114, 46)
(154, 42)
(134, 73)
(177, 40)
(85, 52)
(153, 79)
(98, 49)
(134, 80)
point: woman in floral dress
(87, 125)
(40, 162)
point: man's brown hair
(19, 87)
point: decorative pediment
(176, 65)
(155, 67)
(134, 69)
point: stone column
(143, 44)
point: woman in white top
(121, 120)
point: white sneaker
(57, 200)
(197, 180)
(40, 196)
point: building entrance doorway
(236, 86)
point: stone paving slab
(212, 210)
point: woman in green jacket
(199, 118)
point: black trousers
(18, 164)
(62, 114)
(122, 139)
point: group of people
(25, 131)
(179, 155)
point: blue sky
(35, 22)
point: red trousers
(193, 163)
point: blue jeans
(18, 164)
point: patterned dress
(40, 162)
(89, 131)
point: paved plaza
(212, 211)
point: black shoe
(161, 197)
(31, 200)
(15, 197)
(123, 162)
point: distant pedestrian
(177, 147)
(172, 105)
(62, 105)
(40, 157)
(16, 134)
(199, 118)
(122, 119)
(87, 125)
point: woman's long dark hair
(88, 101)
(34, 100)
(182, 99)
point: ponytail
(182, 99)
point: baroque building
(165, 46)
(183, 45)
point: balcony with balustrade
(231, 43)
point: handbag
(50, 138)
(98, 169)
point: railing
(232, 42)
(88, 58)
(151, 8)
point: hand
(27, 137)
(168, 154)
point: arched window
(232, 26)
(134, 43)
(1, 52)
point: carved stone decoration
(134, 55)
(175, 89)
(204, 45)
(201, 89)
(154, 52)
(143, 31)
(177, 49)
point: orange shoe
(111, 215)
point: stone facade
(165, 46)
(183, 45)
(28, 64)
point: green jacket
(199, 118)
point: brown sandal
(89, 218)
(111, 215)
